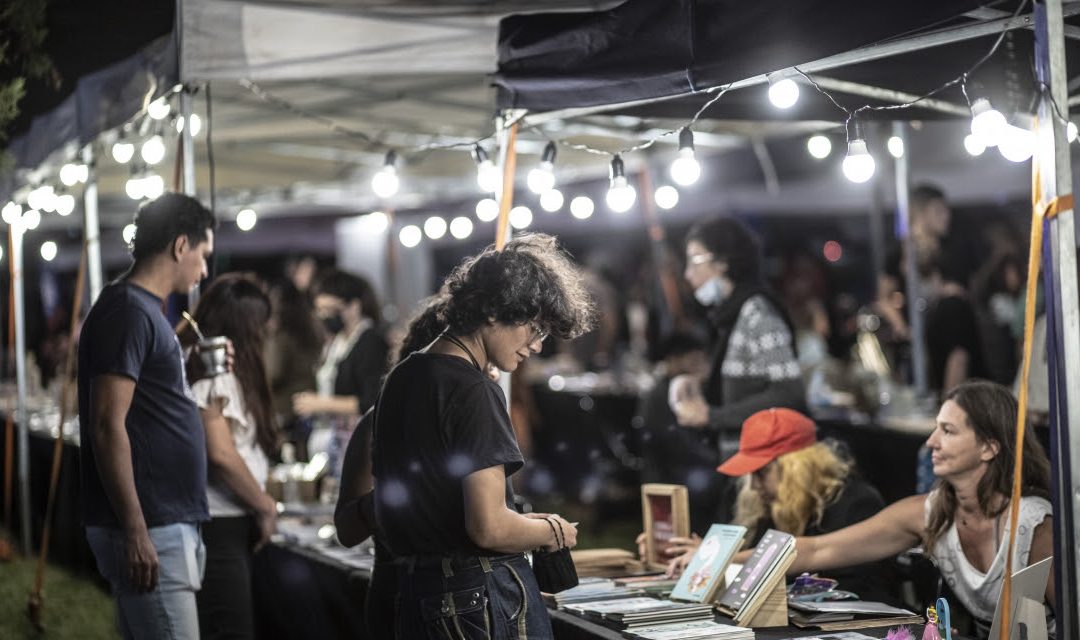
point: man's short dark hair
(924, 194)
(350, 287)
(159, 222)
(733, 242)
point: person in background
(353, 362)
(354, 515)
(292, 350)
(791, 482)
(964, 523)
(355, 359)
(240, 439)
(674, 455)
(143, 453)
(444, 448)
(752, 362)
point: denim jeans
(473, 598)
(169, 611)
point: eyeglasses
(699, 259)
(536, 332)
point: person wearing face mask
(752, 357)
(355, 357)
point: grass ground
(75, 607)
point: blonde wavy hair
(810, 479)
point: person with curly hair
(963, 523)
(791, 482)
(444, 448)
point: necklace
(461, 345)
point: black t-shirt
(126, 334)
(856, 502)
(950, 325)
(360, 372)
(437, 420)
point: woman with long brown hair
(240, 438)
(963, 523)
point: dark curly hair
(733, 242)
(530, 279)
(424, 327)
(159, 222)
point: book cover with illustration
(705, 572)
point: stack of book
(850, 614)
(630, 613)
(699, 630)
(591, 590)
(760, 580)
(652, 584)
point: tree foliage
(22, 55)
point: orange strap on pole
(36, 600)
(507, 200)
(1040, 212)
(668, 281)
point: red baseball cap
(767, 435)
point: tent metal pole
(937, 38)
(21, 417)
(187, 143)
(890, 95)
(1062, 336)
(916, 302)
(91, 225)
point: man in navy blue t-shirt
(143, 447)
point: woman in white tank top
(963, 523)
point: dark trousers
(225, 604)
(380, 604)
(470, 599)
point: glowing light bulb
(375, 223)
(41, 198)
(461, 227)
(1070, 132)
(435, 227)
(521, 217)
(542, 178)
(159, 109)
(974, 144)
(72, 174)
(246, 219)
(48, 251)
(666, 197)
(487, 210)
(620, 196)
(987, 123)
(410, 235)
(783, 93)
(123, 152)
(551, 200)
(134, 187)
(128, 233)
(858, 163)
(11, 212)
(1016, 144)
(488, 176)
(153, 150)
(65, 204)
(685, 169)
(819, 146)
(895, 145)
(31, 218)
(153, 186)
(385, 182)
(582, 207)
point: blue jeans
(470, 598)
(169, 611)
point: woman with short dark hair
(444, 448)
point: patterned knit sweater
(759, 371)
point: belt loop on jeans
(447, 568)
(486, 564)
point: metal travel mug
(212, 352)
